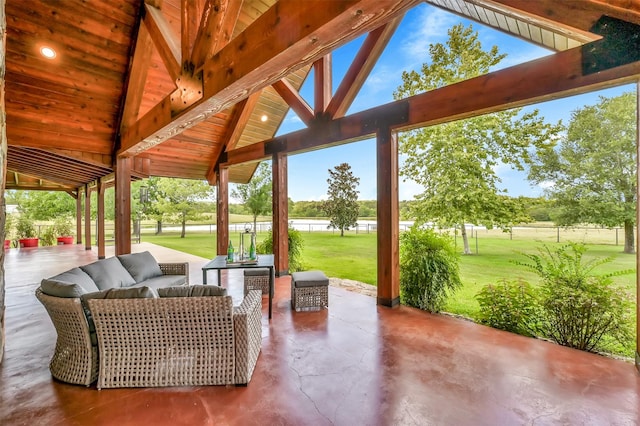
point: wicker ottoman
(309, 289)
(256, 279)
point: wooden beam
(123, 206)
(100, 239)
(289, 35)
(237, 122)
(293, 98)
(164, 40)
(222, 216)
(87, 218)
(637, 357)
(323, 88)
(219, 20)
(387, 218)
(191, 14)
(79, 217)
(360, 68)
(137, 78)
(280, 200)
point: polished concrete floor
(353, 364)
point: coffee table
(220, 262)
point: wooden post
(322, 84)
(280, 228)
(87, 218)
(637, 226)
(100, 237)
(222, 216)
(3, 169)
(79, 217)
(388, 231)
(123, 205)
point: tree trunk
(465, 240)
(629, 246)
(342, 232)
(159, 227)
(255, 223)
(184, 226)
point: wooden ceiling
(152, 80)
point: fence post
(616, 236)
(557, 234)
(476, 242)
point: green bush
(579, 308)
(25, 227)
(510, 305)
(296, 245)
(48, 236)
(429, 270)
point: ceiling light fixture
(47, 52)
(264, 118)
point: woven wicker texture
(74, 359)
(247, 322)
(309, 297)
(256, 282)
(185, 341)
(175, 269)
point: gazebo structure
(135, 88)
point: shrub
(510, 305)
(25, 227)
(296, 244)
(48, 236)
(429, 270)
(579, 309)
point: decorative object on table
(230, 252)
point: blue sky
(407, 50)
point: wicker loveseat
(75, 358)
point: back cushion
(141, 266)
(108, 273)
(121, 293)
(192, 291)
(72, 283)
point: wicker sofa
(75, 358)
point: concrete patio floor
(353, 364)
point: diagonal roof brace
(620, 45)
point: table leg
(271, 283)
(219, 278)
(204, 276)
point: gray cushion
(141, 266)
(164, 281)
(192, 291)
(72, 283)
(309, 279)
(109, 273)
(255, 272)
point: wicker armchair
(74, 360)
(177, 341)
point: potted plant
(8, 231)
(26, 232)
(64, 230)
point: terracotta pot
(65, 240)
(28, 242)
(7, 244)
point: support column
(79, 217)
(123, 205)
(100, 237)
(388, 226)
(637, 226)
(3, 169)
(280, 228)
(222, 216)
(87, 218)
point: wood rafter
(216, 28)
(164, 40)
(306, 30)
(323, 88)
(293, 98)
(190, 22)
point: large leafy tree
(456, 162)
(46, 205)
(182, 199)
(592, 170)
(256, 195)
(342, 198)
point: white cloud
(430, 26)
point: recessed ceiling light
(264, 118)
(48, 52)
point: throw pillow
(109, 273)
(141, 266)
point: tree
(342, 204)
(46, 205)
(256, 195)
(592, 170)
(456, 162)
(181, 198)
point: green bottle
(230, 252)
(252, 248)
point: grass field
(354, 257)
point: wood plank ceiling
(114, 69)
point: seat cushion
(72, 283)
(108, 273)
(141, 266)
(255, 272)
(309, 279)
(192, 291)
(164, 281)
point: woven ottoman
(309, 289)
(256, 279)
